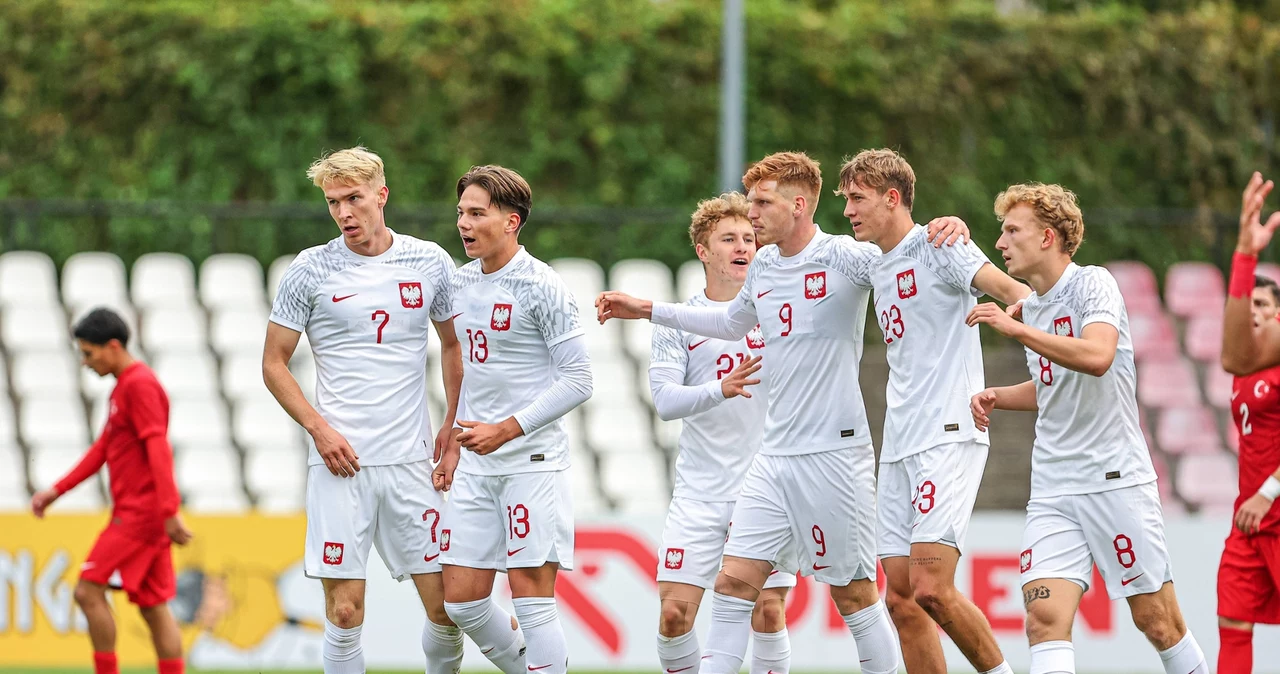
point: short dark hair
(101, 326)
(507, 189)
(1260, 281)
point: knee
(1161, 627)
(901, 607)
(769, 615)
(88, 595)
(855, 596)
(676, 619)
(932, 596)
(1044, 625)
(437, 614)
(346, 614)
(729, 585)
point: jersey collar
(506, 268)
(803, 256)
(1062, 281)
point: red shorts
(146, 568)
(1249, 578)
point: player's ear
(1050, 238)
(383, 192)
(798, 205)
(513, 223)
(702, 252)
(892, 197)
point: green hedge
(614, 103)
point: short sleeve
(443, 284)
(855, 260)
(955, 265)
(293, 304)
(1098, 298)
(668, 349)
(147, 408)
(554, 310)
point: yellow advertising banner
(242, 595)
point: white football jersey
(1087, 434)
(922, 297)
(366, 319)
(507, 323)
(716, 446)
(812, 310)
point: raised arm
(732, 322)
(1245, 350)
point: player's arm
(89, 465)
(994, 282)
(1091, 353)
(674, 400)
(1245, 351)
(451, 373)
(337, 453)
(145, 408)
(732, 322)
(1018, 398)
(1255, 508)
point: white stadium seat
(188, 375)
(690, 280)
(28, 278)
(260, 423)
(231, 281)
(50, 372)
(50, 462)
(163, 280)
(204, 469)
(276, 272)
(618, 430)
(13, 479)
(239, 331)
(92, 279)
(8, 425)
(34, 327)
(171, 329)
(54, 420)
(613, 383)
(278, 476)
(649, 279)
(195, 421)
(242, 377)
(636, 481)
(585, 279)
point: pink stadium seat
(1133, 277)
(1270, 270)
(1207, 480)
(1164, 479)
(1153, 337)
(1194, 289)
(1217, 386)
(1187, 430)
(1167, 382)
(1204, 339)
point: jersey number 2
(1245, 428)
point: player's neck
(123, 364)
(499, 259)
(898, 230)
(379, 243)
(1047, 275)
(721, 290)
(800, 237)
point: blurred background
(153, 157)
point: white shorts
(508, 521)
(693, 544)
(392, 507)
(928, 497)
(1122, 531)
(821, 506)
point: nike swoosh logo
(512, 552)
(1126, 581)
(862, 661)
(534, 669)
(457, 315)
(676, 671)
(759, 295)
(429, 558)
(488, 650)
(694, 346)
(344, 297)
(819, 568)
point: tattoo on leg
(925, 561)
(1033, 593)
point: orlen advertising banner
(243, 601)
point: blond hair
(711, 211)
(794, 169)
(1054, 206)
(881, 170)
(352, 166)
(507, 189)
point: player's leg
(113, 551)
(770, 642)
(1158, 617)
(1056, 568)
(91, 597)
(688, 559)
(895, 508)
(946, 480)
(156, 588)
(761, 531)
(471, 549)
(539, 544)
(1244, 592)
(341, 515)
(834, 518)
(407, 537)
(1051, 605)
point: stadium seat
(242, 376)
(1167, 383)
(163, 280)
(690, 280)
(1194, 288)
(1217, 386)
(240, 331)
(614, 383)
(174, 329)
(1153, 337)
(188, 375)
(1207, 480)
(585, 279)
(260, 423)
(278, 478)
(667, 434)
(93, 279)
(1137, 285)
(27, 278)
(1204, 339)
(34, 328)
(198, 421)
(54, 421)
(1270, 270)
(636, 481)
(1187, 430)
(231, 281)
(206, 470)
(276, 272)
(49, 463)
(49, 372)
(618, 430)
(13, 479)
(8, 424)
(649, 279)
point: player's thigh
(341, 516)
(473, 531)
(120, 554)
(832, 507)
(1054, 544)
(1246, 586)
(1125, 530)
(945, 481)
(761, 528)
(1051, 605)
(895, 510)
(407, 534)
(538, 513)
(693, 539)
(158, 583)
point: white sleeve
(442, 280)
(293, 304)
(957, 265)
(571, 388)
(674, 400)
(732, 322)
(1099, 298)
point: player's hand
(980, 405)
(948, 229)
(442, 476)
(1254, 236)
(613, 304)
(339, 457)
(177, 531)
(1251, 512)
(737, 382)
(1014, 310)
(43, 499)
(487, 438)
(444, 438)
(991, 314)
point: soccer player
(1246, 349)
(366, 299)
(932, 460)
(526, 366)
(144, 514)
(812, 486)
(705, 382)
(1093, 490)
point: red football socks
(1235, 652)
(105, 663)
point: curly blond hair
(711, 211)
(352, 166)
(793, 169)
(1054, 206)
(880, 170)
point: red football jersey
(1255, 409)
(142, 487)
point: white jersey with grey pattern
(507, 323)
(1088, 438)
(367, 321)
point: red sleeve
(160, 458)
(147, 409)
(88, 466)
